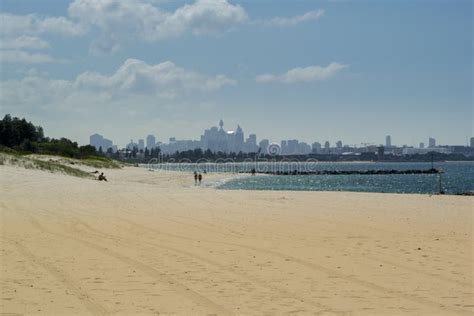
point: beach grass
(50, 166)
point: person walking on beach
(200, 178)
(195, 177)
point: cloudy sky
(310, 70)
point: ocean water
(458, 177)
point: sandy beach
(153, 243)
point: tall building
(238, 140)
(141, 144)
(132, 145)
(380, 153)
(284, 147)
(431, 142)
(98, 141)
(292, 147)
(218, 139)
(316, 148)
(304, 148)
(388, 141)
(422, 145)
(264, 143)
(339, 144)
(327, 147)
(472, 141)
(150, 141)
(251, 144)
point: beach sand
(153, 243)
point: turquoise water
(457, 177)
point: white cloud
(19, 33)
(311, 73)
(31, 24)
(294, 20)
(23, 57)
(134, 84)
(136, 76)
(119, 21)
(24, 42)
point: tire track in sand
(150, 271)
(222, 267)
(319, 268)
(92, 306)
(296, 296)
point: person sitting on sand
(200, 178)
(102, 177)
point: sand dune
(151, 242)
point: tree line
(24, 137)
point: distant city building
(304, 148)
(98, 141)
(284, 147)
(431, 142)
(131, 145)
(388, 141)
(339, 144)
(472, 141)
(264, 143)
(141, 144)
(295, 147)
(327, 147)
(422, 145)
(218, 139)
(150, 141)
(316, 148)
(251, 143)
(381, 153)
(422, 151)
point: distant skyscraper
(316, 148)
(339, 144)
(422, 145)
(284, 147)
(252, 140)
(219, 139)
(150, 141)
(132, 145)
(304, 148)
(431, 142)
(388, 141)
(292, 146)
(380, 153)
(472, 141)
(327, 146)
(141, 144)
(251, 143)
(99, 141)
(264, 143)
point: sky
(354, 71)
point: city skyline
(290, 70)
(217, 138)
